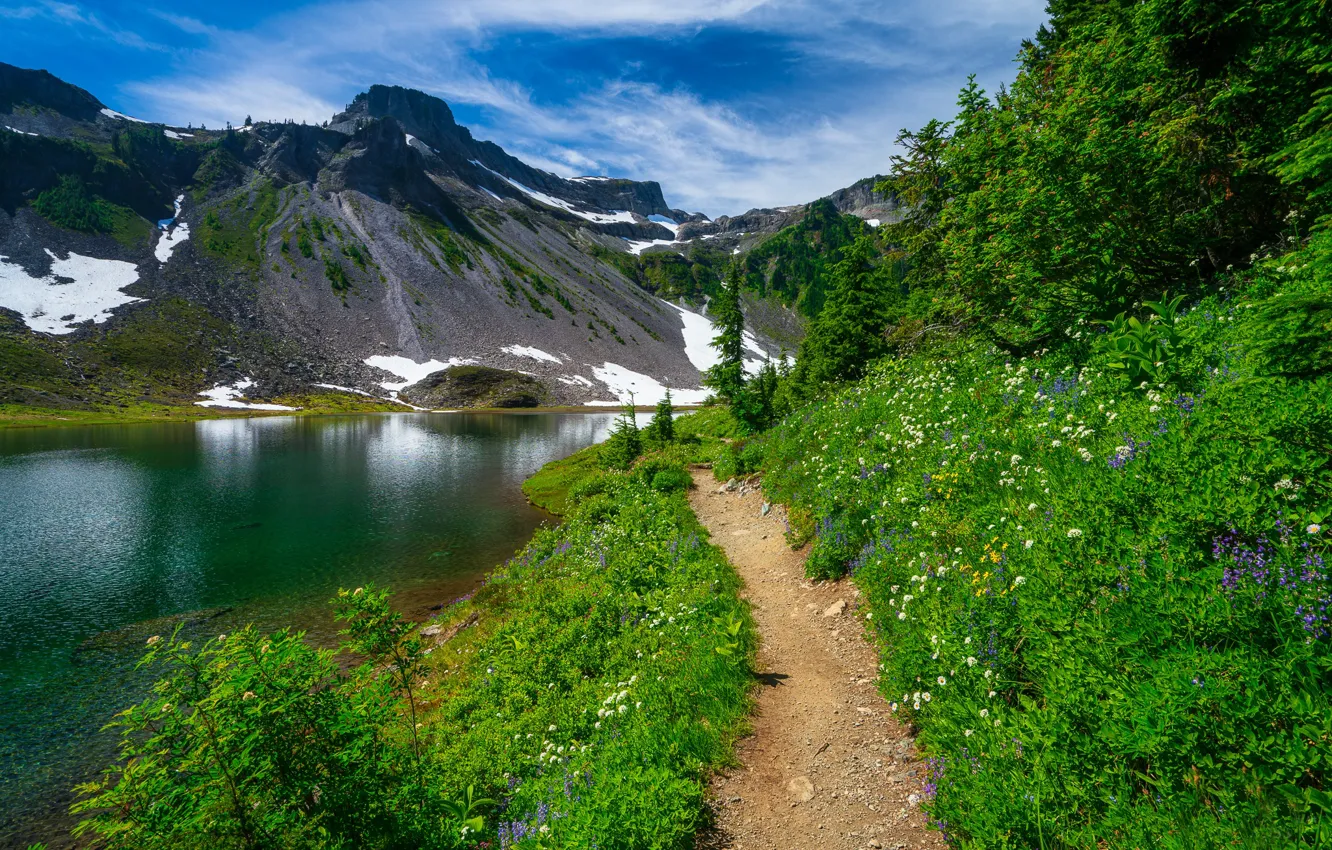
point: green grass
(549, 487)
(1103, 602)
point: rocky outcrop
(476, 387)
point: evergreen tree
(661, 429)
(848, 334)
(728, 376)
(755, 406)
(625, 443)
(247, 121)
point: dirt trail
(827, 765)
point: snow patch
(698, 333)
(491, 194)
(872, 222)
(234, 397)
(20, 132)
(54, 307)
(172, 234)
(528, 351)
(172, 134)
(550, 200)
(645, 389)
(637, 247)
(668, 223)
(575, 381)
(111, 113)
(409, 370)
(587, 179)
(736, 251)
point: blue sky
(729, 104)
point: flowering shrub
(1104, 605)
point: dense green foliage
(1102, 598)
(578, 700)
(1143, 148)
(796, 263)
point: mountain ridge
(390, 239)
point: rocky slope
(359, 256)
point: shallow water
(109, 534)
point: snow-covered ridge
(550, 200)
(52, 305)
(233, 397)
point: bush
(672, 480)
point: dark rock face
(21, 87)
(476, 387)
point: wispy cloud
(863, 71)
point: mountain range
(270, 262)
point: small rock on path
(827, 766)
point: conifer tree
(662, 427)
(848, 334)
(728, 376)
(625, 443)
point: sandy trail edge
(827, 766)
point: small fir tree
(625, 443)
(728, 376)
(661, 430)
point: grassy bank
(1100, 593)
(579, 698)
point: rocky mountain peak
(20, 87)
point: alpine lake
(112, 534)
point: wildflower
(941, 680)
(925, 696)
(358, 591)
(901, 615)
(1026, 544)
(156, 639)
(1031, 507)
(991, 694)
(989, 673)
(967, 641)
(1020, 579)
(1074, 532)
(1314, 528)
(971, 661)
(984, 712)
(967, 733)
(247, 695)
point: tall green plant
(727, 377)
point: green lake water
(109, 534)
